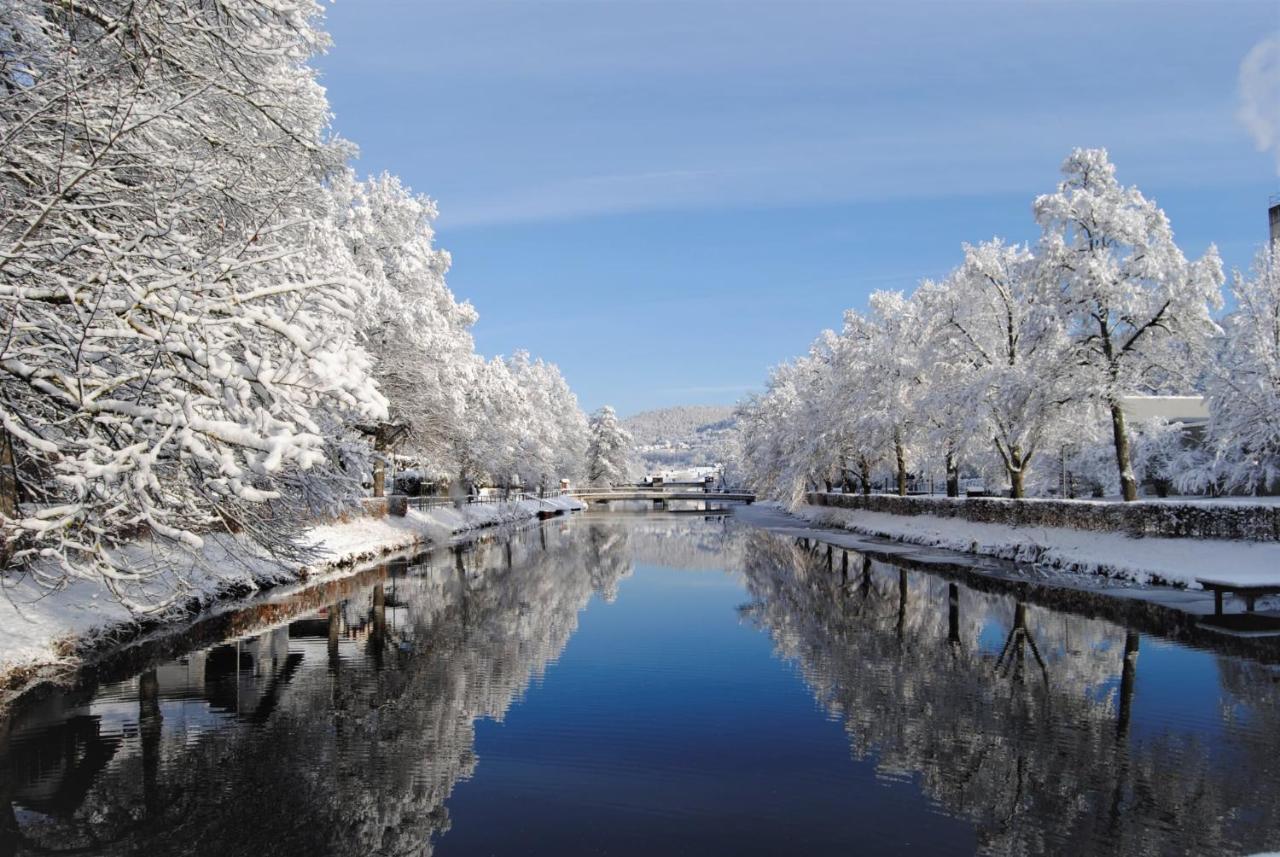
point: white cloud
(1260, 95)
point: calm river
(649, 685)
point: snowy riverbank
(1171, 561)
(42, 630)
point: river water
(649, 685)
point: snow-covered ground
(42, 628)
(1147, 560)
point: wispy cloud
(710, 391)
(529, 112)
(1260, 95)
(1005, 150)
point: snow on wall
(1189, 520)
(1166, 561)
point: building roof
(1176, 408)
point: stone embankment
(1157, 542)
(1226, 519)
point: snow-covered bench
(1249, 591)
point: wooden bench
(1249, 591)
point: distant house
(1188, 410)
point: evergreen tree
(608, 449)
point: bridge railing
(655, 489)
(620, 491)
(436, 502)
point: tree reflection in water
(340, 733)
(1025, 733)
(340, 720)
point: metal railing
(424, 503)
(655, 489)
(437, 502)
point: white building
(1189, 410)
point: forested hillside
(683, 436)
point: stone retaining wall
(395, 505)
(1142, 518)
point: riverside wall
(1167, 519)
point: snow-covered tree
(409, 320)
(569, 425)
(608, 448)
(1086, 465)
(1243, 384)
(1137, 311)
(856, 431)
(523, 425)
(553, 435)
(485, 447)
(177, 318)
(821, 423)
(790, 439)
(886, 391)
(952, 426)
(767, 435)
(993, 317)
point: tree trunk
(379, 464)
(1128, 484)
(901, 455)
(8, 478)
(864, 475)
(953, 475)
(8, 491)
(1016, 480)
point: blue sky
(667, 197)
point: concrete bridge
(660, 495)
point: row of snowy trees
(209, 323)
(508, 420)
(1016, 364)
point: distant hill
(687, 436)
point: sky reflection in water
(654, 684)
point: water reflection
(341, 732)
(1017, 717)
(342, 720)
